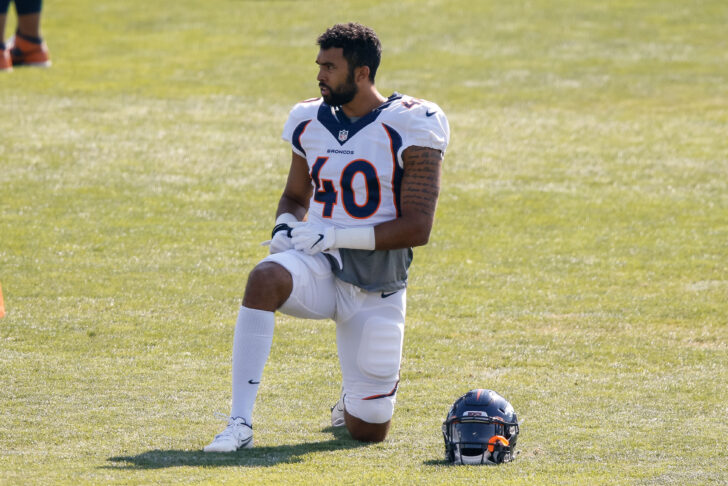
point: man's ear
(361, 73)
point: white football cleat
(237, 435)
(337, 413)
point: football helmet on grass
(481, 428)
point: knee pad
(380, 350)
(374, 411)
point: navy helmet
(481, 428)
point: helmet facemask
(479, 440)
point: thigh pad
(380, 349)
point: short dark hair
(360, 44)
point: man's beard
(343, 95)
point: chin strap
(500, 450)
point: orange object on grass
(2, 304)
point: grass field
(578, 265)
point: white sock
(251, 347)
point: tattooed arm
(420, 189)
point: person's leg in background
(28, 48)
(5, 62)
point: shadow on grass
(255, 457)
(435, 462)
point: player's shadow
(255, 457)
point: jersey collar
(341, 128)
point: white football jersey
(356, 167)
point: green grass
(579, 262)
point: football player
(361, 192)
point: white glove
(281, 239)
(312, 238)
(281, 235)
